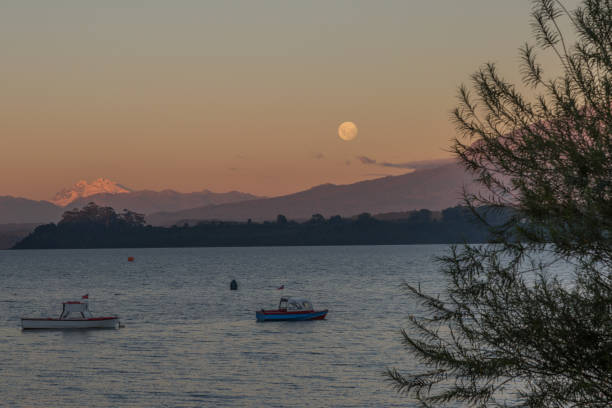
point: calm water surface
(189, 341)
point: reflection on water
(189, 341)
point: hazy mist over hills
(148, 202)
(22, 210)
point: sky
(237, 95)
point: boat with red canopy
(75, 315)
(291, 308)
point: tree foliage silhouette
(507, 331)
(94, 226)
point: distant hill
(148, 202)
(22, 210)
(434, 188)
(10, 234)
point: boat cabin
(292, 304)
(80, 309)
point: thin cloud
(412, 165)
(377, 175)
(366, 160)
(397, 165)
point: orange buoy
(130, 259)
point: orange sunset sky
(236, 95)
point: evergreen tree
(508, 331)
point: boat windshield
(80, 309)
(299, 304)
(282, 305)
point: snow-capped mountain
(84, 189)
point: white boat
(75, 315)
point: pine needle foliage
(507, 331)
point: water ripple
(189, 341)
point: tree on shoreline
(506, 330)
(95, 214)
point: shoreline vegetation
(101, 227)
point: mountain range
(149, 202)
(431, 188)
(105, 192)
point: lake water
(189, 341)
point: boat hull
(52, 324)
(276, 316)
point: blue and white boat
(291, 308)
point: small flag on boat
(86, 296)
(281, 287)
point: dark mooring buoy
(233, 285)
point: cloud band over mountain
(412, 165)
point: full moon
(347, 131)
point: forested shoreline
(102, 227)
